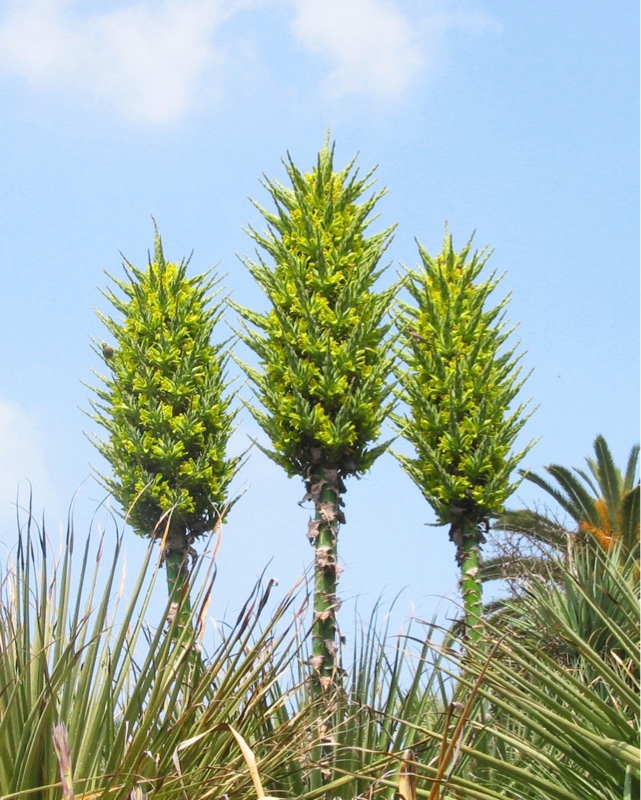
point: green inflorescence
(459, 382)
(324, 361)
(163, 404)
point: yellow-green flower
(163, 401)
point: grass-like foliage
(96, 702)
(393, 690)
(560, 718)
(90, 691)
(546, 707)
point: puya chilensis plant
(164, 406)
(458, 381)
(323, 357)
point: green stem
(177, 555)
(324, 645)
(324, 487)
(468, 537)
(176, 564)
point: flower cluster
(324, 362)
(163, 403)
(459, 382)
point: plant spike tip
(459, 383)
(324, 358)
(165, 408)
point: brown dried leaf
(331, 477)
(314, 489)
(407, 777)
(313, 529)
(331, 647)
(316, 662)
(324, 557)
(171, 614)
(327, 512)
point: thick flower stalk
(165, 409)
(323, 357)
(459, 382)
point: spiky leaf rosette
(459, 381)
(324, 361)
(163, 403)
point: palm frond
(629, 521)
(608, 476)
(519, 566)
(575, 499)
(631, 469)
(535, 526)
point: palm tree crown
(602, 500)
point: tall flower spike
(324, 361)
(165, 408)
(459, 381)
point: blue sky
(514, 120)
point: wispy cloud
(150, 61)
(153, 61)
(370, 45)
(380, 48)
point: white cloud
(153, 60)
(150, 61)
(22, 462)
(381, 48)
(370, 44)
